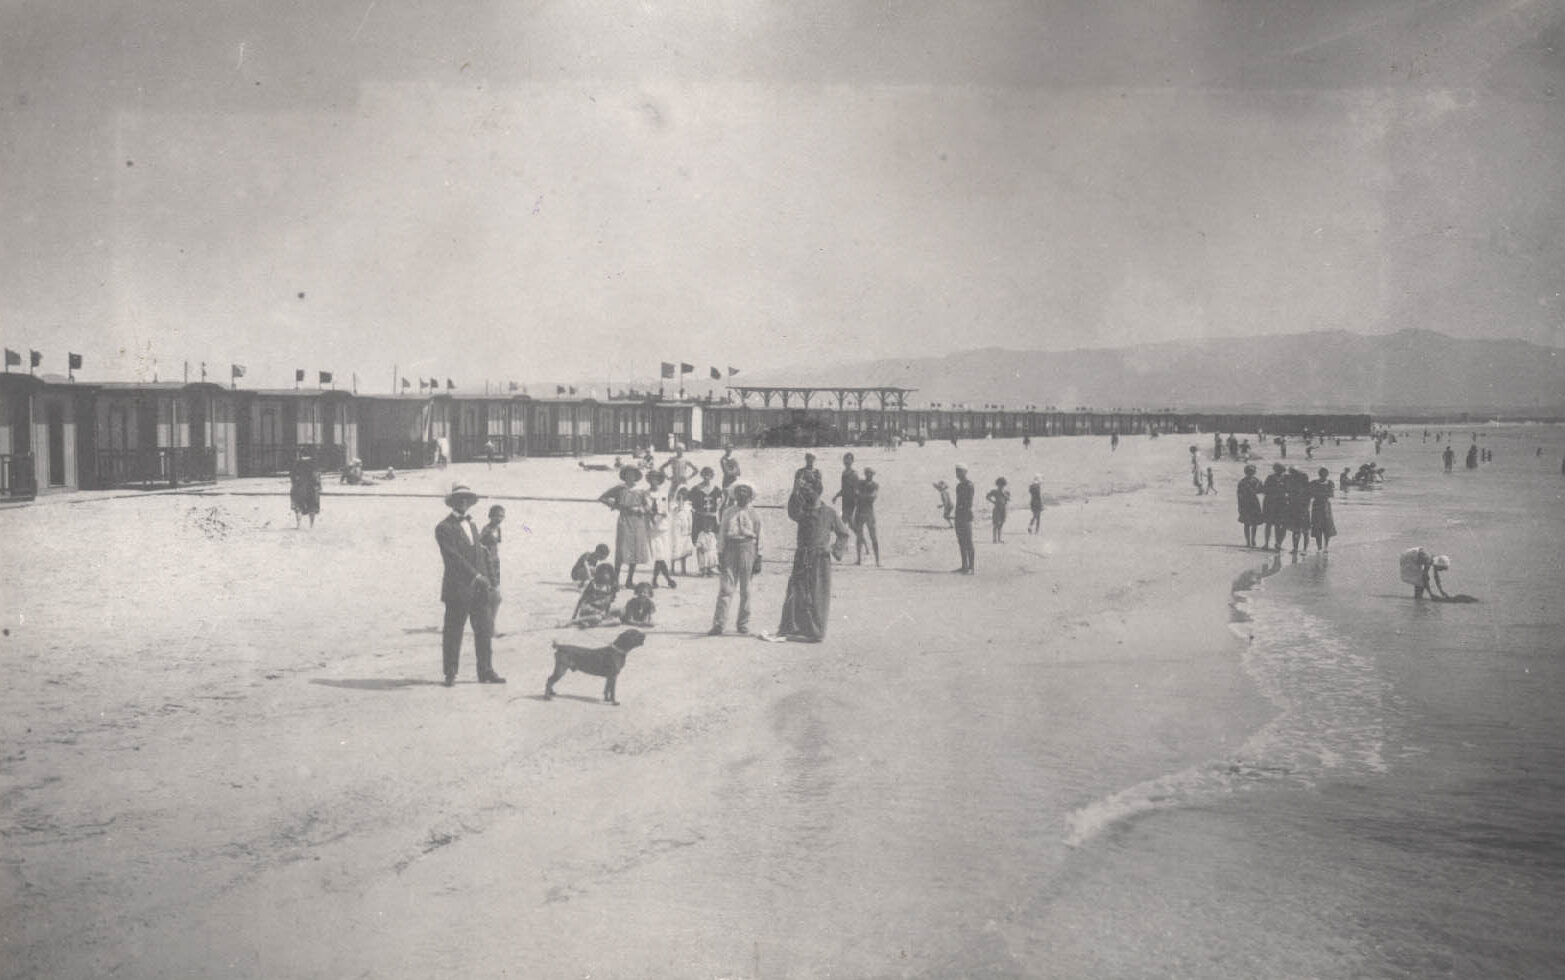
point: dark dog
(604, 662)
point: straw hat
(1442, 562)
(460, 490)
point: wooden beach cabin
(163, 433)
(276, 425)
(18, 464)
(395, 431)
(476, 420)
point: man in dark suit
(464, 587)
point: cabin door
(55, 416)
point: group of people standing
(1288, 503)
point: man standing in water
(464, 587)
(964, 519)
(1450, 458)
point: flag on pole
(355, 382)
(573, 389)
(236, 370)
(408, 384)
(12, 357)
(668, 370)
(298, 375)
(35, 357)
(732, 371)
(450, 385)
(686, 368)
(716, 375)
(325, 378)
(74, 361)
(422, 384)
(559, 389)
(513, 386)
(203, 370)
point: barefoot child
(999, 497)
(639, 610)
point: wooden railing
(152, 468)
(17, 479)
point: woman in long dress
(658, 527)
(304, 489)
(822, 537)
(1250, 513)
(1322, 527)
(632, 537)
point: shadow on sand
(372, 683)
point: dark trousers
(964, 540)
(457, 616)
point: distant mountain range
(1408, 372)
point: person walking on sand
(1211, 485)
(304, 489)
(632, 534)
(464, 587)
(821, 538)
(1000, 499)
(739, 548)
(1114, 442)
(864, 517)
(659, 527)
(1299, 510)
(1274, 508)
(1035, 502)
(1322, 527)
(1250, 514)
(1195, 471)
(963, 519)
(489, 539)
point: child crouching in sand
(582, 571)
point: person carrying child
(596, 604)
(586, 564)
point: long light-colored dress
(680, 543)
(807, 606)
(658, 522)
(632, 537)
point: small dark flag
(686, 368)
(573, 389)
(422, 384)
(236, 370)
(35, 357)
(513, 386)
(298, 375)
(408, 384)
(450, 385)
(559, 389)
(12, 357)
(732, 371)
(325, 378)
(717, 375)
(668, 370)
(75, 361)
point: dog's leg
(608, 688)
(559, 672)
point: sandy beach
(228, 751)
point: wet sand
(227, 750)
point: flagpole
(394, 379)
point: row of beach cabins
(58, 434)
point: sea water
(1403, 814)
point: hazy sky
(512, 190)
